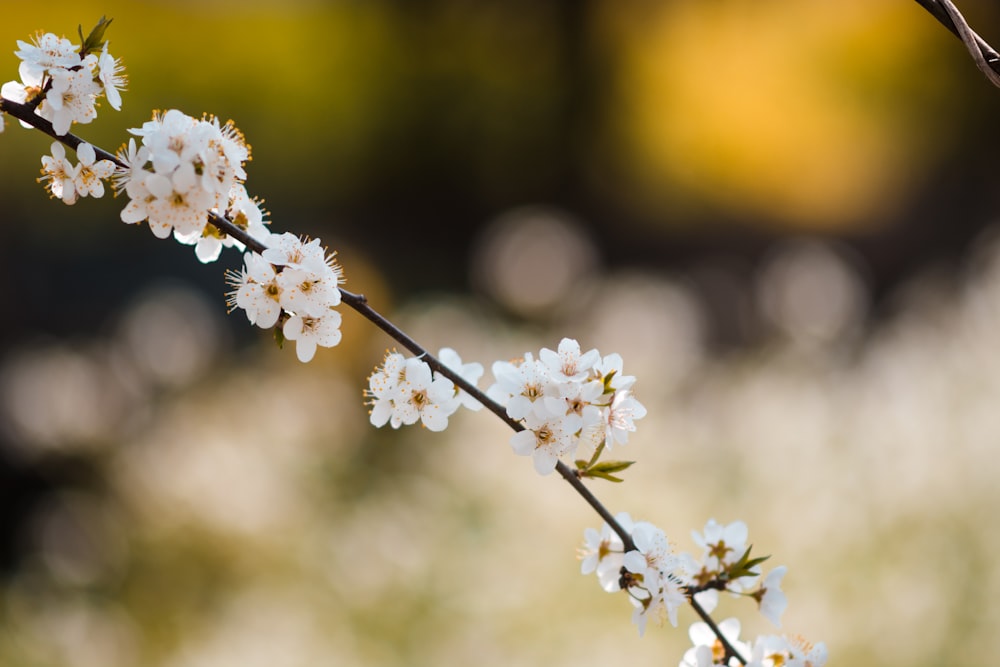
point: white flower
(247, 214)
(256, 290)
(71, 99)
(780, 651)
(180, 202)
(421, 395)
(653, 557)
(609, 369)
(706, 643)
(185, 168)
(546, 439)
(603, 553)
(110, 74)
(770, 597)
(469, 372)
(581, 398)
(723, 545)
(305, 293)
(526, 383)
(90, 175)
(47, 53)
(59, 174)
(383, 390)
(568, 364)
(308, 332)
(289, 250)
(31, 84)
(621, 416)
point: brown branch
(985, 56)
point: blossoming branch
(184, 178)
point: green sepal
(279, 337)
(95, 40)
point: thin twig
(985, 56)
(359, 303)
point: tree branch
(986, 57)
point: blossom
(111, 76)
(770, 597)
(621, 416)
(308, 293)
(179, 202)
(289, 250)
(243, 212)
(469, 372)
(723, 545)
(652, 558)
(48, 52)
(523, 384)
(90, 175)
(184, 168)
(256, 290)
(603, 553)
(420, 395)
(546, 439)
(22, 91)
(706, 643)
(609, 369)
(382, 391)
(780, 651)
(59, 174)
(660, 602)
(404, 391)
(308, 332)
(567, 364)
(71, 99)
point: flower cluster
(67, 181)
(654, 577)
(184, 168)
(658, 582)
(765, 651)
(295, 283)
(65, 80)
(405, 390)
(564, 399)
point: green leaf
(612, 466)
(744, 567)
(95, 40)
(602, 475)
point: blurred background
(781, 214)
